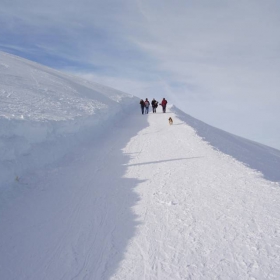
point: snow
(92, 189)
(44, 114)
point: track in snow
(202, 214)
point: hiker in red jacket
(163, 104)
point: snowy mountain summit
(92, 189)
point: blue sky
(218, 61)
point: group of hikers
(146, 104)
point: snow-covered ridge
(104, 192)
(257, 156)
(43, 113)
(35, 92)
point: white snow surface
(45, 113)
(92, 189)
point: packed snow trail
(201, 214)
(147, 201)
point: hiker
(142, 104)
(154, 105)
(147, 105)
(163, 104)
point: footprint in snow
(169, 203)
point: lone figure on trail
(154, 105)
(147, 105)
(163, 104)
(142, 104)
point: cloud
(227, 52)
(90, 32)
(217, 60)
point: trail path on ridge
(148, 201)
(202, 214)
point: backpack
(147, 103)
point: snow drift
(44, 114)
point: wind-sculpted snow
(44, 113)
(257, 156)
(34, 92)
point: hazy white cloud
(228, 52)
(217, 60)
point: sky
(217, 60)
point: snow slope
(257, 156)
(201, 214)
(127, 196)
(44, 114)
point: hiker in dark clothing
(154, 105)
(142, 104)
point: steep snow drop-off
(44, 114)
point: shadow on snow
(161, 161)
(75, 220)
